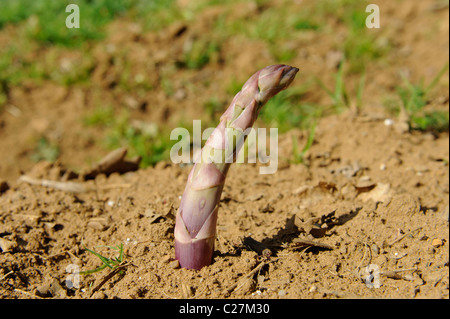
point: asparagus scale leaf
(196, 219)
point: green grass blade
(359, 92)
(328, 91)
(295, 151)
(121, 253)
(310, 140)
(437, 78)
(339, 89)
(88, 272)
(105, 260)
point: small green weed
(303, 24)
(45, 150)
(157, 14)
(414, 98)
(361, 46)
(111, 263)
(340, 96)
(48, 19)
(298, 156)
(146, 140)
(143, 139)
(100, 116)
(431, 121)
(286, 111)
(201, 52)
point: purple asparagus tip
(195, 226)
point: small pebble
(96, 225)
(281, 293)
(436, 242)
(56, 290)
(166, 259)
(96, 212)
(408, 277)
(418, 282)
(174, 264)
(375, 249)
(43, 290)
(6, 245)
(99, 295)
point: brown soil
(369, 193)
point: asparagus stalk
(195, 227)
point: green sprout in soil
(116, 265)
(43, 19)
(285, 111)
(111, 263)
(299, 156)
(361, 46)
(146, 140)
(340, 95)
(414, 99)
(45, 150)
(200, 52)
(143, 139)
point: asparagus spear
(195, 227)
